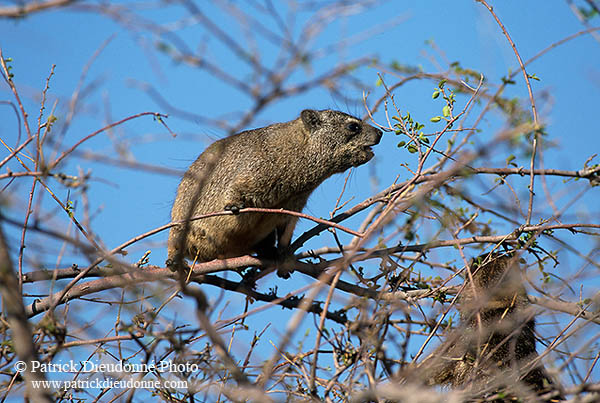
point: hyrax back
(494, 346)
(277, 166)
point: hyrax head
(347, 139)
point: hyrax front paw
(284, 262)
(175, 263)
(235, 200)
(234, 208)
(284, 272)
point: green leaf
(587, 13)
(442, 83)
(401, 144)
(436, 94)
(412, 148)
(436, 119)
(507, 81)
(446, 111)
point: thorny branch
(393, 267)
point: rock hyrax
(277, 166)
(494, 346)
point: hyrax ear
(311, 119)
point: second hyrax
(494, 347)
(277, 166)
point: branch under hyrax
(277, 166)
(494, 345)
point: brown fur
(277, 166)
(494, 345)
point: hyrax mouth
(367, 145)
(368, 152)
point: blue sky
(464, 32)
(127, 202)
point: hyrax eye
(353, 127)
